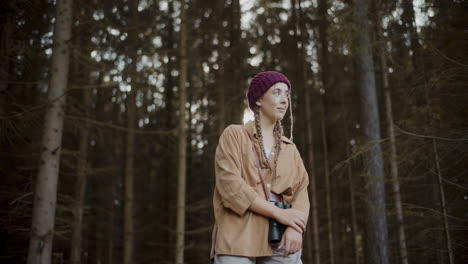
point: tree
(313, 233)
(221, 85)
(45, 197)
(129, 190)
(129, 194)
(376, 224)
(324, 67)
(313, 222)
(393, 153)
(351, 180)
(6, 32)
(236, 80)
(443, 205)
(127, 58)
(81, 181)
(182, 142)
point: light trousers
(276, 258)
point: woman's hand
(291, 241)
(289, 217)
(292, 218)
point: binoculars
(276, 229)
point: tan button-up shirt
(239, 231)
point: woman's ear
(258, 103)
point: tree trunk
(110, 223)
(408, 19)
(312, 236)
(42, 229)
(182, 157)
(103, 206)
(167, 190)
(323, 25)
(236, 85)
(312, 186)
(443, 206)
(129, 190)
(352, 202)
(376, 223)
(331, 245)
(239, 58)
(349, 172)
(80, 75)
(76, 240)
(220, 87)
(129, 196)
(5, 42)
(393, 153)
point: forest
(110, 114)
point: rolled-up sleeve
(301, 196)
(234, 191)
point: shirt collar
(250, 125)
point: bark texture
(443, 206)
(376, 224)
(313, 222)
(323, 25)
(393, 159)
(77, 237)
(221, 86)
(129, 196)
(349, 172)
(312, 236)
(129, 178)
(182, 158)
(45, 197)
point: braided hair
(277, 133)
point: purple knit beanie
(261, 83)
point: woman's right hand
(291, 217)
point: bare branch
(431, 137)
(122, 128)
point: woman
(244, 195)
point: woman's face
(274, 102)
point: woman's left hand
(291, 241)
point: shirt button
(268, 186)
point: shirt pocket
(286, 179)
(249, 170)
